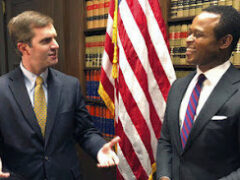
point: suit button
(46, 158)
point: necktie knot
(201, 79)
(39, 80)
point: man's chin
(53, 62)
(190, 60)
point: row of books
(94, 47)
(92, 83)
(97, 13)
(103, 120)
(177, 40)
(188, 8)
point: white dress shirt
(30, 78)
(212, 77)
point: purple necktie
(191, 110)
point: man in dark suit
(42, 111)
(200, 137)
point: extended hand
(106, 156)
(2, 174)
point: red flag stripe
(129, 154)
(108, 87)
(155, 6)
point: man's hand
(106, 156)
(2, 174)
(164, 178)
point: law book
(87, 75)
(171, 41)
(229, 2)
(199, 6)
(205, 3)
(106, 10)
(186, 7)
(192, 8)
(183, 45)
(89, 14)
(213, 2)
(221, 2)
(180, 8)
(87, 52)
(174, 8)
(236, 4)
(181, 74)
(95, 14)
(101, 13)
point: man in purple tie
(200, 137)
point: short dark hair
(21, 26)
(229, 22)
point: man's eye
(45, 41)
(197, 34)
(189, 33)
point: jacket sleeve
(235, 175)
(89, 138)
(164, 148)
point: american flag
(137, 97)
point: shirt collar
(215, 74)
(30, 77)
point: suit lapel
(221, 93)
(19, 91)
(177, 103)
(54, 95)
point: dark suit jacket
(24, 152)
(213, 146)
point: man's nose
(54, 44)
(190, 38)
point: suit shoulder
(184, 79)
(64, 77)
(5, 77)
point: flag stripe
(129, 154)
(135, 114)
(132, 134)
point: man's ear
(23, 48)
(226, 41)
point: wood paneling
(3, 59)
(74, 39)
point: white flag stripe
(105, 64)
(109, 25)
(140, 47)
(124, 167)
(107, 67)
(137, 94)
(134, 138)
(158, 41)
